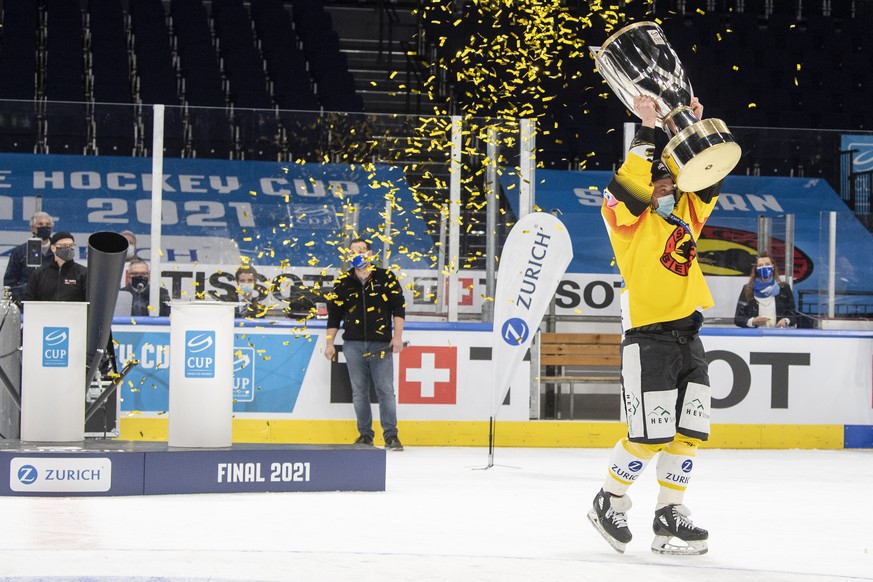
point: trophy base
(701, 155)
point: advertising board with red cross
(428, 375)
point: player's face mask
(765, 273)
(247, 289)
(44, 232)
(666, 204)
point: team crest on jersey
(679, 252)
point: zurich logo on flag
(514, 331)
(199, 354)
(55, 347)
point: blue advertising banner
(729, 242)
(275, 213)
(262, 362)
(862, 156)
(152, 469)
(249, 469)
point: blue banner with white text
(213, 211)
(268, 369)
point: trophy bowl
(638, 60)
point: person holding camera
(29, 255)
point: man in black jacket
(369, 302)
(62, 279)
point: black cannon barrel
(107, 252)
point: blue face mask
(359, 262)
(666, 204)
(765, 273)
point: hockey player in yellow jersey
(653, 229)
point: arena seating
(223, 66)
(113, 126)
(89, 70)
(794, 64)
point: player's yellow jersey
(657, 259)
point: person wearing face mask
(653, 229)
(18, 271)
(369, 303)
(137, 278)
(247, 294)
(63, 279)
(131, 245)
(765, 300)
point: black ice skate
(672, 522)
(609, 518)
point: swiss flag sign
(428, 375)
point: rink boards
(105, 467)
(808, 389)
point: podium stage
(112, 467)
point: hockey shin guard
(675, 466)
(627, 462)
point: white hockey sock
(674, 474)
(627, 462)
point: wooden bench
(580, 358)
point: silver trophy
(638, 60)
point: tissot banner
(534, 258)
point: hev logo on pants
(55, 347)
(199, 354)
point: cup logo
(55, 347)
(199, 354)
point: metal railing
(848, 304)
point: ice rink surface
(781, 516)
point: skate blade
(616, 545)
(662, 545)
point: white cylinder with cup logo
(53, 371)
(201, 374)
